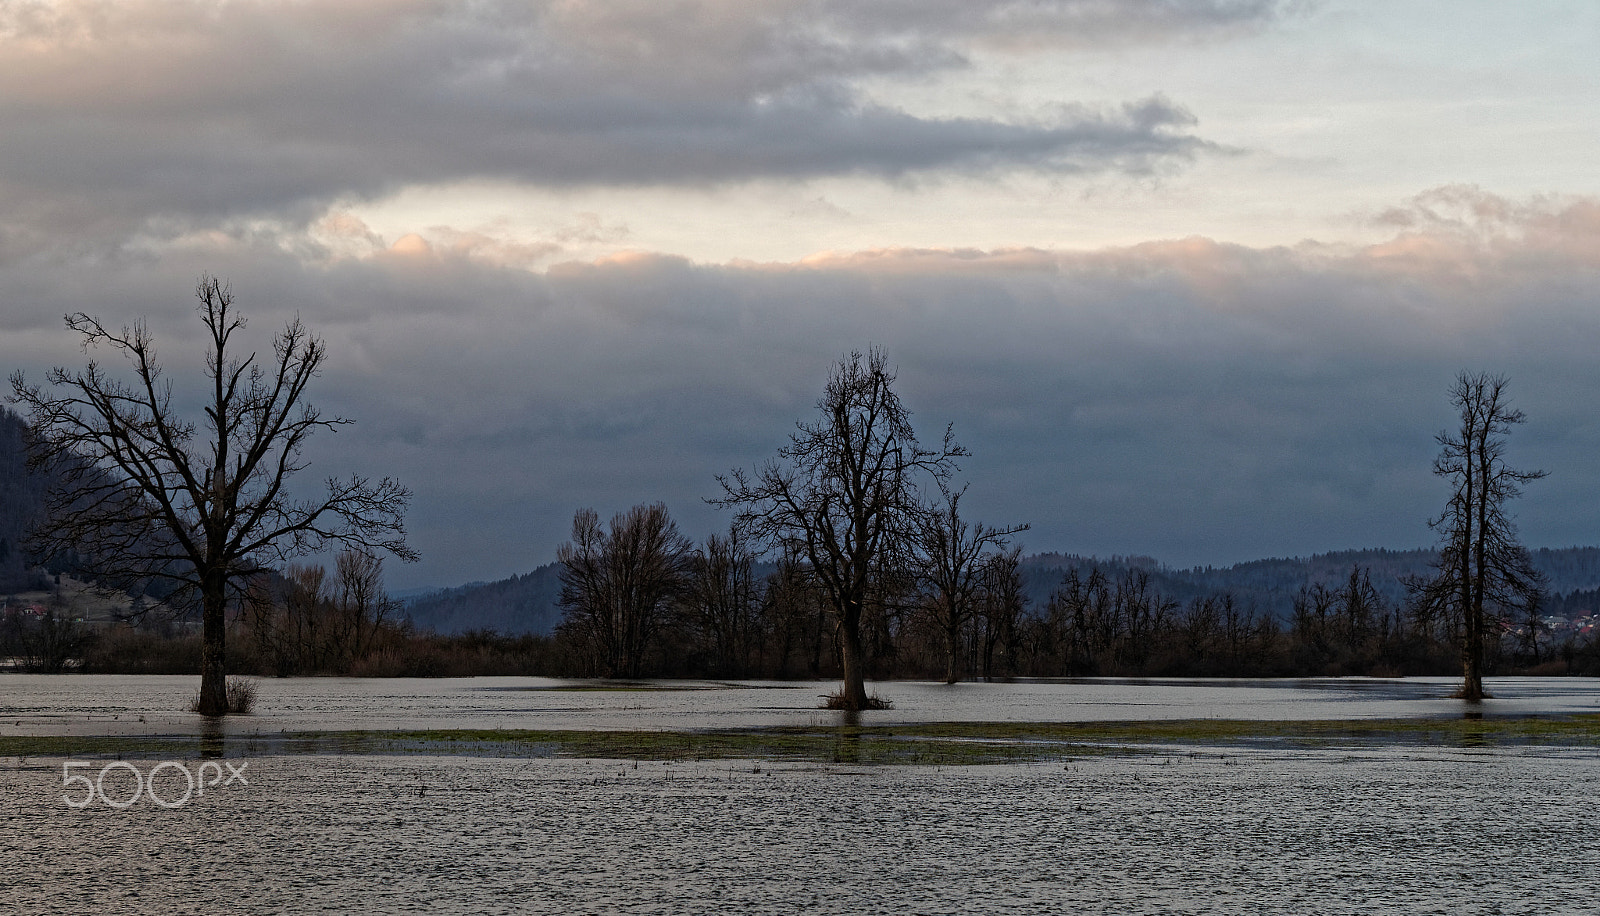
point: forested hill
(527, 603)
(520, 604)
(21, 496)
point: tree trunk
(952, 662)
(1471, 664)
(1472, 652)
(853, 694)
(213, 659)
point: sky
(1189, 278)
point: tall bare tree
(951, 564)
(146, 494)
(1002, 602)
(843, 496)
(617, 585)
(1482, 567)
(317, 624)
(723, 602)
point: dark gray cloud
(1196, 401)
(163, 115)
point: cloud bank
(1201, 402)
(1196, 400)
(157, 116)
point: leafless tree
(145, 493)
(287, 624)
(1482, 567)
(361, 604)
(723, 602)
(1002, 602)
(843, 496)
(951, 562)
(617, 586)
(796, 617)
(47, 642)
(317, 624)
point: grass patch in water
(618, 687)
(988, 742)
(117, 747)
(1579, 729)
(947, 744)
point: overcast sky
(1190, 278)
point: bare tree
(289, 629)
(318, 624)
(1481, 566)
(723, 602)
(47, 642)
(1002, 602)
(617, 586)
(796, 617)
(951, 562)
(145, 493)
(843, 496)
(361, 605)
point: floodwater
(136, 705)
(1390, 831)
(1191, 830)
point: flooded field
(1400, 828)
(1506, 832)
(128, 704)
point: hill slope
(21, 498)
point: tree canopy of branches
(1482, 566)
(843, 496)
(723, 602)
(318, 626)
(952, 563)
(146, 494)
(618, 586)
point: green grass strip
(949, 743)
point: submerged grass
(949, 743)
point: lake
(1190, 829)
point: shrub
(241, 696)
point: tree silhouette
(618, 585)
(1481, 566)
(843, 497)
(952, 564)
(145, 494)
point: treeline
(641, 600)
(530, 602)
(717, 612)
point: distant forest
(530, 603)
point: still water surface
(127, 704)
(1394, 829)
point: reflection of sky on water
(129, 704)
